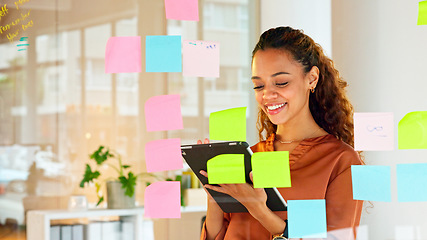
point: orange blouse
(320, 169)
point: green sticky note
(413, 131)
(271, 169)
(422, 13)
(226, 168)
(228, 125)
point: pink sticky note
(374, 131)
(182, 9)
(200, 58)
(163, 200)
(123, 55)
(163, 113)
(163, 155)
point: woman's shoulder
(342, 151)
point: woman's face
(281, 87)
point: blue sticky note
(411, 182)
(307, 218)
(163, 54)
(371, 183)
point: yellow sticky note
(413, 131)
(228, 125)
(271, 169)
(226, 168)
(422, 13)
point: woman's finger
(206, 140)
(204, 173)
(199, 141)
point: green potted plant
(120, 190)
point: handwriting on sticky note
(182, 10)
(14, 26)
(200, 58)
(226, 168)
(163, 113)
(374, 131)
(163, 155)
(362, 179)
(422, 13)
(163, 54)
(411, 182)
(271, 169)
(163, 200)
(228, 125)
(413, 131)
(307, 218)
(123, 55)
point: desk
(38, 222)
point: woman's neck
(299, 130)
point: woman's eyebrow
(273, 75)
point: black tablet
(197, 156)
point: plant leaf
(126, 166)
(99, 156)
(89, 176)
(128, 184)
(100, 200)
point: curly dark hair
(329, 104)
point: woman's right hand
(214, 214)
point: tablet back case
(197, 156)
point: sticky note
(182, 10)
(411, 182)
(271, 169)
(163, 113)
(412, 131)
(228, 125)
(422, 13)
(123, 55)
(163, 155)
(307, 218)
(374, 131)
(163, 200)
(200, 58)
(371, 183)
(226, 168)
(163, 54)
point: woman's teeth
(274, 107)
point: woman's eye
(258, 87)
(282, 84)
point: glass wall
(57, 104)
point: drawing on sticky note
(201, 58)
(374, 131)
(23, 39)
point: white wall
(382, 53)
(313, 16)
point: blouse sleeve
(342, 212)
(221, 233)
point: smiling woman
(303, 109)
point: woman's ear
(313, 77)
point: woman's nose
(269, 92)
